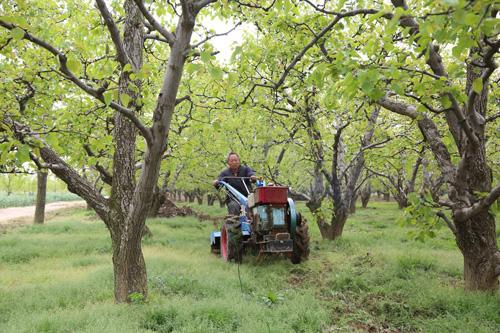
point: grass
(28, 199)
(58, 278)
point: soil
(16, 216)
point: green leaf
(471, 19)
(215, 73)
(74, 65)
(108, 96)
(127, 68)
(23, 154)
(205, 56)
(477, 85)
(125, 98)
(445, 101)
(17, 33)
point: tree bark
(129, 267)
(156, 202)
(211, 199)
(365, 195)
(477, 242)
(41, 195)
(352, 207)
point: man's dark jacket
(237, 183)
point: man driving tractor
(238, 176)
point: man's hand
(215, 182)
(253, 179)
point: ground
(15, 216)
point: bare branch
(156, 37)
(105, 175)
(255, 6)
(448, 222)
(493, 117)
(154, 23)
(318, 36)
(182, 99)
(398, 107)
(198, 5)
(114, 32)
(429, 131)
(216, 35)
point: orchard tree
(433, 63)
(125, 211)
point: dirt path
(23, 215)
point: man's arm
(216, 181)
(250, 173)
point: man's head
(233, 161)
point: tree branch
(434, 60)
(114, 32)
(429, 131)
(67, 74)
(154, 23)
(469, 212)
(491, 66)
(62, 170)
(317, 37)
(105, 175)
(198, 5)
(207, 38)
(448, 222)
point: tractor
(268, 224)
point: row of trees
(322, 96)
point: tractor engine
(268, 209)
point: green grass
(28, 199)
(58, 277)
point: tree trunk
(365, 196)
(352, 206)
(210, 199)
(402, 199)
(41, 195)
(129, 269)
(477, 242)
(334, 229)
(157, 200)
(387, 196)
(198, 194)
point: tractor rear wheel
(301, 241)
(230, 242)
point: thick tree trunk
(129, 269)
(41, 195)
(334, 229)
(387, 196)
(402, 199)
(477, 242)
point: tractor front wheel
(301, 241)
